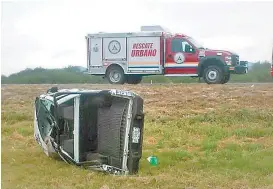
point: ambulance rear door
(95, 50)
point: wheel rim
(114, 76)
(212, 75)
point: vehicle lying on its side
(97, 129)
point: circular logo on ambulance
(179, 58)
(114, 47)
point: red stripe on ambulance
(180, 70)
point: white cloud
(51, 33)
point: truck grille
(235, 60)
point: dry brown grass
(205, 136)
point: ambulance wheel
(115, 75)
(213, 74)
(226, 78)
(131, 79)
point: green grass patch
(14, 117)
(253, 132)
(225, 147)
(209, 145)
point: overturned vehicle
(97, 129)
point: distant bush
(52, 76)
(259, 72)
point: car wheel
(213, 75)
(226, 78)
(115, 75)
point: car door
(68, 116)
(44, 122)
(181, 57)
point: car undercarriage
(94, 129)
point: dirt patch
(16, 136)
(151, 140)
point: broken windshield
(44, 110)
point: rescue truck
(127, 57)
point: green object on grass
(153, 160)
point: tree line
(258, 72)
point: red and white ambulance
(127, 57)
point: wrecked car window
(48, 104)
(44, 109)
(66, 126)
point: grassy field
(218, 136)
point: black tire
(115, 75)
(213, 74)
(134, 79)
(226, 78)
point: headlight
(228, 60)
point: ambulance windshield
(195, 43)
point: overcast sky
(51, 34)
